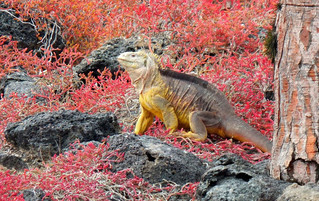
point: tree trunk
(295, 154)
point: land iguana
(184, 101)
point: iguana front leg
(202, 121)
(168, 113)
(144, 121)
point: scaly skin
(184, 101)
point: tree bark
(295, 154)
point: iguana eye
(133, 55)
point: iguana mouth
(122, 59)
(126, 63)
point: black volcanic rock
(155, 161)
(48, 133)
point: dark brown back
(188, 92)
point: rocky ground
(229, 177)
(39, 137)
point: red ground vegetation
(217, 39)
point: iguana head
(133, 60)
(142, 67)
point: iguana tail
(238, 129)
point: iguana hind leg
(200, 122)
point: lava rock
(23, 32)
(295, 192)
(18, 82)
(12, 162)
(155, 161)
(232, 178)
(26, 34)
(48, 133)
(35, 195)
(104, 57)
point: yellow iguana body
(184, 101)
